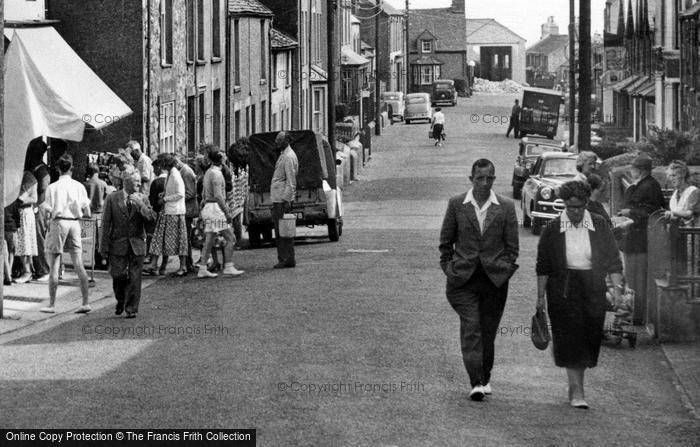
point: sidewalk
(684, 359)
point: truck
(318, 199)
(540, 112)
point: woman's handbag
(539, 332)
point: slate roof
(448, 27)
(280, 41)
(427, 59)
(248, 7)
(549, 44)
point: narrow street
(356, 346)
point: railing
(685, 258)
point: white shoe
(579, 403)
(487, 388)
(48, 310)
(232, 271)
(204, 273)
(477, 393)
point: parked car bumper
(548, 209)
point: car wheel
(536, 226)
(254, 236)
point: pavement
(356, 346)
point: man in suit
(124, 241)
(478, 250)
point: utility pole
(407, 64)
(2, 152)
(584, 77)
(330, 38)
(572, 72)
(377, 111)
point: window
(318, 110)
(191, 125)
(167, 127)
(247, 121)
(190, 31)
(200, 30)
(215, 29)
(346, 86)
(166, 35)
(263, 116)
(263, 51)
(275, 71)
(216, 116)
(506, 61)
(495, 61)
(426, 75)
(426, 46)
(237, 52)
(253, 118)
(288, 77)
(274, 122)
(202, 118)
(236, 125)
(304, 38)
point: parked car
(444, 92)
(529, 149)
(394, 100)
(539, 201)
(418, 107)
(318, 201)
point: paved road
(356, 346)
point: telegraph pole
(2, 151)
(584, 77)
(407, 64)
(377, 111)
(572, 72)
(330, 37)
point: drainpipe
(227, 82)
(146, 125)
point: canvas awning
(49, 91)
(643, 87)
(649, 91)
(633, 87)
(619, 86)
(350, 57)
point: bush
(666, 145)
(607, 149)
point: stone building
(390, 54)
(547, 60)
(283, 49)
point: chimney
(550, 28)
(458, 7)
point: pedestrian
(97, 190)
(170, 237)
(685, 200)
(124, 241)
(438, 125)
(157, 203)
(594, 205)
(10, 235)
(191, 204)
(585, 165)
(238, 155)
(514, 122)
(67, 202)
(478, 250)
(283, 189)
(574, 254)
(216, 217)
(143, 164)
(641, 198)
(26, 246)
(35, 163)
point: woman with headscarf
(575, 253)
(170, 237)
(26, 245)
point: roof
(449, 28)
(690, 11)
(427, 59)
(549, 44)
(248, 7)
(390, 10)
(350, 57)
(318, 74)
(281, 41)
(474, 26)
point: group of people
(577, 255)
(146, 210)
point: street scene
(353, 223)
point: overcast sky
(524, 17)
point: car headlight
(546, 193)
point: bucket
(288, 226)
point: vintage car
(394, 100)
(529, 149)
(318, 199)
(539, 201)
(444, 92)
(418, 107)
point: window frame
(166, 33)
(166, 137)
(429, 46)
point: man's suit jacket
(463, 246)
(121, 229)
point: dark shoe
(7, 282)
(477, 393)
(119, 310)
(215, 267)
(282, 265)
(150, 272)
(161, 272)
(130, 314)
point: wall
(281, 100)
(24, 9)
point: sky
(524, 17)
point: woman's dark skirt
(577, 318)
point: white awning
(350, 57)
(51, 92)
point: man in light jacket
(283, 190)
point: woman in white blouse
(685, 201)
(575, 253)
(170, 237)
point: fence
(685, 259)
